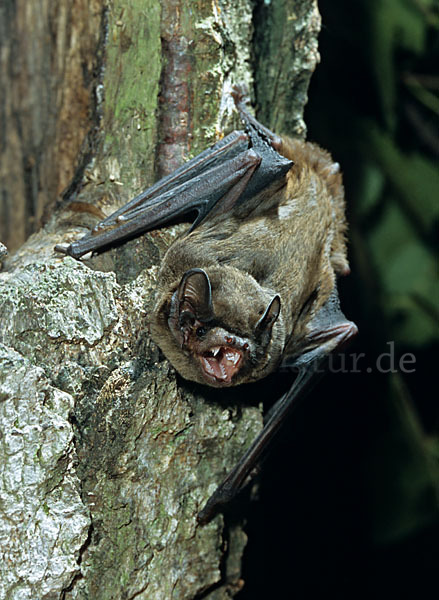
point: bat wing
(330, 330)
(232, 171)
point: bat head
(223, 331)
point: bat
(252, 285)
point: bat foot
(241, 95)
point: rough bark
(48, 62)
(106, 455)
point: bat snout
(221, 363)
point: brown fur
(289, 241)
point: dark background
(348, 498)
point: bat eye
(201, 332)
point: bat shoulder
(310, 158)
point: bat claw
(240, 94)
(205, 515)
(62, 248)
(221, 496)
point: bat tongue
(221, 364)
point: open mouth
(221, 363)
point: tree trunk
(106, 455)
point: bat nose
(236, 343)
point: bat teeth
(233, 357)
(221, 364)
(208, 367)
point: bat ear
(195, 294)
(270, 315)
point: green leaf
(403, 471)
(414, 177)
(393, 25)
(408, 277)
(369, 188)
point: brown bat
(251, 286)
